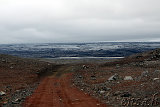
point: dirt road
(58, 92)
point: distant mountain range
(54, 50)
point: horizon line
(83, 42)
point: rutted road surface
(58, 92)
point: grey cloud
(28, 21)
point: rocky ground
(19, 77)
(132, 81)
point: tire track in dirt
(58, 92)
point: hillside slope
(132, 81)
(20, 74)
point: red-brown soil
(59, 92)
(20, 73)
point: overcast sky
(34, 21)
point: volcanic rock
(128, 78)
(113, 77)
(2, 93)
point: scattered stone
(128, 78)
(155, 79)
(85, 67)
(9, 87)
(80, 76)
(120, 88)
(144, 74)
(76, 99)
(11, 67)
(102, 92)
(116, 93)
(2, 93)
(117, 65)
(37, 72)
(106, 89)
(113, 77)
(3, 60)
(139, 56)
(17, 91)
(98, 104)
(93, 77)
(126, 94)
(157, 71)
(16, 101)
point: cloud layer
(34, 21)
